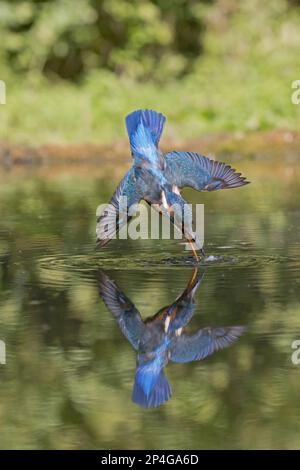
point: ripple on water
(61, 269)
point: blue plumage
(149, 119)
(162, 338)
(159, 393)
(142, 144)
(205, 342)
(144, 129)
(157, 178)
(147, 375)
(201, 173)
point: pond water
(69, 371)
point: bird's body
(162, 338)
(158, 178)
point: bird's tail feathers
(147, 118)
(156, 396)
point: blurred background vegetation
(74, 69)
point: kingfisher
(158, 178)
(163, 338)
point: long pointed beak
(194, 250)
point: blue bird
(158, 178)
(163, 338)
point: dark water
(69, 371)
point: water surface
(69, 371)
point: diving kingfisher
(163, 338)
(158, 178)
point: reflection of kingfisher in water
(157, 178)
(162, 338)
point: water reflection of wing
(187, 348)
(123, 310)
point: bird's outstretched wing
(187, 348)
(199, 172)
(119, 211)
(123, 310)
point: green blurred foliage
(133, 37)
(74, 69)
